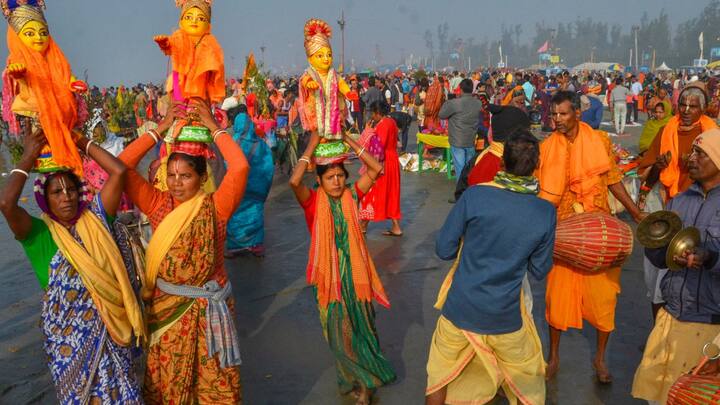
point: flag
(701, 40)
(544, 48)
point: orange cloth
(48, 77)
(584, 160)
(573, 295)
(323, 270)
(509, 96)
(670, 177)
(201, 67)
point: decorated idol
(198, 67)
(38, 85)
(322, 93)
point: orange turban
(317, 35)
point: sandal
(392, 234)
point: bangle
(217, 132)
(21, 171)
(361, 152)
(154, 135)
(87, 147)
(304, 159)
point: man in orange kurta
(577, 168)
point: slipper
(393, 234)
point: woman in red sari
(382, 203)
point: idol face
(195, 22)
(322, 60)
(35, 35)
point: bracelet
(361, 152)
(87, 147)
(21, 171)
(154, 135)
(217, 132)
(304, 159)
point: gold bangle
(217, 133)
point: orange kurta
(573, 295)
(179, 369)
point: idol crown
(9, 5)
(315, 26)
(181, 3)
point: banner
(555, 59)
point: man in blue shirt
(592, 111)
(691, 316)
(486, 338)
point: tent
(598, 67)
(665, 68)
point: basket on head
(593, 241)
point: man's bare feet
(602, 372)
(552, 369)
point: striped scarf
(518, 184)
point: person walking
(463, 115)
(618, 98)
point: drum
(695, 390)
(593, 241)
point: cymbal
(688, 238)
(658, 229)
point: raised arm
(141, 192)
(302, 192)
(231, 190)
(116, 170)
(17, 218)
(374, 167)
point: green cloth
(40, 248)
(518, 184)
(652, 127)
(349, 326)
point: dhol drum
(695, 390)
(593, 241)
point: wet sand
(286, 360)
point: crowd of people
(527, 154)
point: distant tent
(597, 67)
(663, 68)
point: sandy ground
(286, 360)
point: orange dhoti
(573, 295)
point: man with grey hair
(667, 163)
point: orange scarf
(670, 177)
(48, 77)
(588, 160)
(509, 96)
(323, 270)
(201, 67)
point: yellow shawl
(103, 273)
(165, 236)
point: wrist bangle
(361, 152)
(87, 147)
(304, 159)
(217, 132)
(21, 171)
(154, 134)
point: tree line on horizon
(583, 40)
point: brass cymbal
(658, 229)
(688, 238)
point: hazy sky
(112, 39)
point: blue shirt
(694, 295)
(506, 234)
(593, 116)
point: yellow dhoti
(473, 367)
(673, 349)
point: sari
(652, 127)
(347, 315)
(85, 363)
(246, 227)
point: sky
(111, 40)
